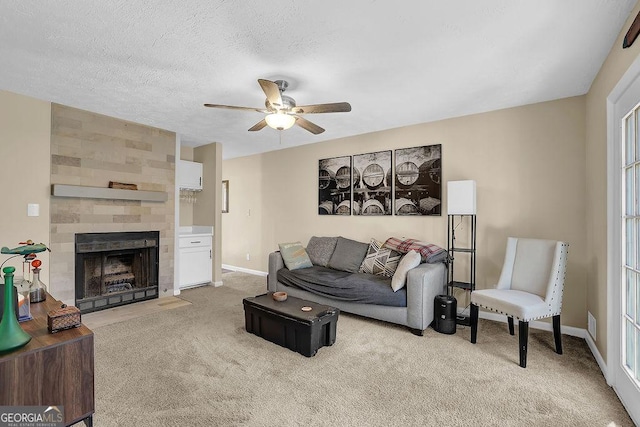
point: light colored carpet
(131, 311)
(197, 366)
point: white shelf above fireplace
(62, 190)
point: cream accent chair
(530, 288)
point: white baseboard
(567, 330)
(197, 285)
(598, 357)
(176, 292)
(245, 270)
(217, 284)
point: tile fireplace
(113, 269)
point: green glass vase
(12, 336)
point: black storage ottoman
(286, 324)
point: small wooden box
(63, 318)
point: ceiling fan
(282, 112)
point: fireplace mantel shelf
(62, 190)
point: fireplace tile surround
(91, 149)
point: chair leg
(474, 323)
(557, 335)
(523, 340)
(510, 321)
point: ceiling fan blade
(233, 107)
(272, 91)
(336, 107)
(261, 124)
(307, 125)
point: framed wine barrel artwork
(335, 186)
(418, 180)
(372, 183)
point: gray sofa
(423, 284)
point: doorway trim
(616, 104)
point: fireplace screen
(108, 274)
(115, 268)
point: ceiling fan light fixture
(280, 121)
(282, 111)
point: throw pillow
(320, 249)
(428, 251)
(348, 255)
(409, 261)
(380, 261)
(294, 256)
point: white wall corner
(176, 225)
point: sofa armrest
(275, 263)
(423, 284)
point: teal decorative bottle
(12, 336)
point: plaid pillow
(380, 261)
(428, 251)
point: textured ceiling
(397, 63)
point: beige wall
(611, 72)
(25, 133)
(186, 208)
(207, 210)
(529, 164)
(243, 231)
(186, 153)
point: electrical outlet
(33, 209)
(591, 325)
(248, 257)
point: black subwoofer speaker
(445, 307)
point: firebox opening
(113, 269)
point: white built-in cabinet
(195, 260)
(189, 175)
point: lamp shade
(280, 121)
(461, 197)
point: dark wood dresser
(52, 369)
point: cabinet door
(190, 175)
(195, 266)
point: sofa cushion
(428, 251)
(348, 255)
(294, 255)
(379, 260)
(320, 249)
(409, 261)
